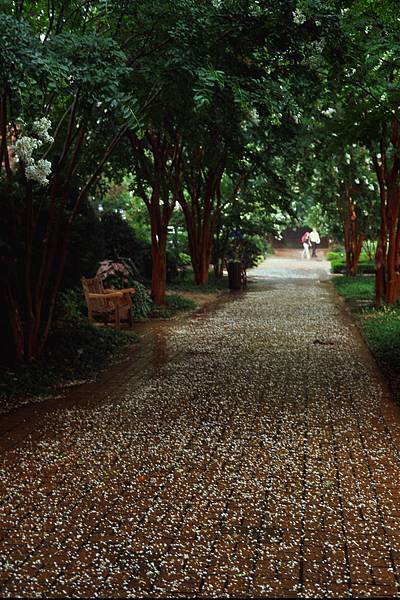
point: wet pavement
(248, 450)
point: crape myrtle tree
(176, 154)
(214, 138)
(210, 70)
(153, 157)
(201, 199)
(367, 84)
(161, 76)
(60, 78)
(257, 83)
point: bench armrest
(107, 296)
(122, 291)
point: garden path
(250, 449)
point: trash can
(234, 275)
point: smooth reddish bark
(201, 207)
(155, 173)
(387, 258)
(353, 239)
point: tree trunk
(380, 254)
(353, 240)
(356, 251)
(153, 173)
(159, 218)
(200, 230)
(200, 253)
(158, 273)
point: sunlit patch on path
(243, 451)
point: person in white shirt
(315, 240)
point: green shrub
(121, 240)
(335, 255)
(382, 331)
(338, 263)
(366, 268)
(71, 305)
(184, 259)
(142, 303)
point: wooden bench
(103, 304)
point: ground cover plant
(75, 353)
(379, 326)
(174, 303)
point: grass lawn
(338, 263)
(187, 284)
(380, 327)
(356, 288)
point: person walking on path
(305, 240)
(315, 240)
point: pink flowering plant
(115, 274)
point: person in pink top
(305, 240)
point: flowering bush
(25, 146)
(39, 172)
(115, 274)
(41, 129)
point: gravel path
(247, 450)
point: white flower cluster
(25, 146)
(298, 17)
(329, 112)
(41, 129)
(39, 171)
